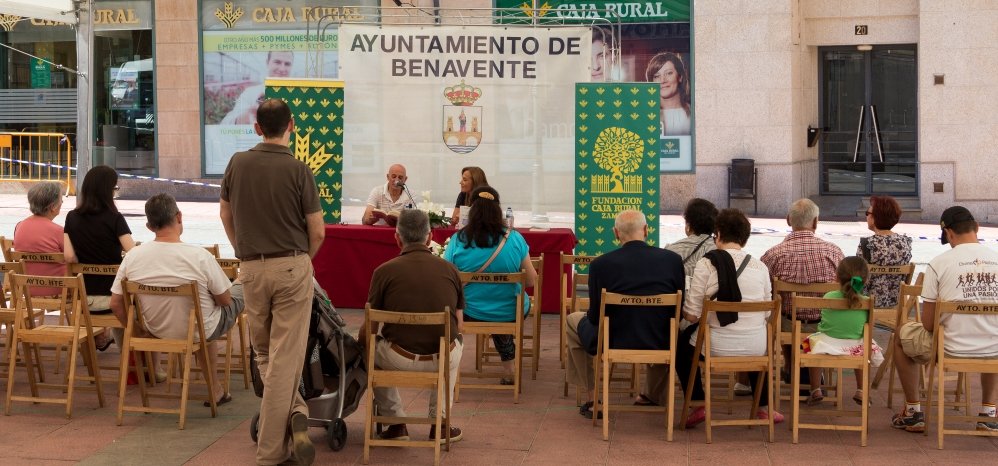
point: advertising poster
(245, 42)
(617, 136)
(654, 47)
(317, 106)
(236, 63)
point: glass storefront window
(124, 110)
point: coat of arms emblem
(462, 121)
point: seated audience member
(635, 269)
(98, 234)
(699, 217)
(802, 258)
(166, 261)
(965, 273)
(471, 178)
(388, 197)
(38, 233)
(727, 274)
(487, 246)
(840, 332)
(416, 281)
(884, 247)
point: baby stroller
(334, 376)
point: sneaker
(742, 389)
(696, 417)
(455, 434)
(764, 414)
(913, 423)
(987, 426)
(395, 432)
(302, 449)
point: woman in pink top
(38, 233)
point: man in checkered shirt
(802, 258)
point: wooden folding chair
(887, 316)
(577, 304)
(101, 322)
(138, 338)
(710, 364)
(438, 380)
(786, 291)
(7, 316)
(231, 269)
(607, 356)
(534, 351)
(213, 249)
(7, 247)
(944, 362)
(483, 329)
(44, 304)
(854, 362)
(566, 296)
(908, 301)
(77, 336)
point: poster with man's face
(236, 63)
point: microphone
(400, 184)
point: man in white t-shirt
(387, 197)
(968, 272)
(169, 262)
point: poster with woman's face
(658, 53)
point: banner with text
(317, 107)
(440, 98)
(617, 160)
(514, 11)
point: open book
(391, 218)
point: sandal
(102, 344)
(858, 398)
(644, 401)
(506, 381)
(815, 398)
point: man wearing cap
(968, 272)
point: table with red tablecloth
(350, 254)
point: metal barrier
(35, 157)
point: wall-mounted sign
(281, 14)
(585, 12)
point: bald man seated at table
(387, 198)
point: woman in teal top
(840, 332)
(474, 247)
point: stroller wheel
(254, 427)
(336, 434)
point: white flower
(426, 196)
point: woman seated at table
(38, 233)
(471, 179)
(487, 246)
(732, 275)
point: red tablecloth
(350, 254)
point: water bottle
(509, 217)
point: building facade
(831, 100)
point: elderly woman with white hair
(38, 233)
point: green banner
(616, 160)
(561, 11)
(317, 107)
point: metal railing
(35, 157)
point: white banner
(437, 99)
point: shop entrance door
(869, 117)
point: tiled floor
(543, 428)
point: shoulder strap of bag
(502, 243)
(741, 267)
(694, 251)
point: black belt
(273, 255)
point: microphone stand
(412, 202)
